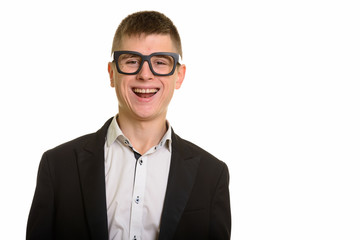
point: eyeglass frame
(175, 56)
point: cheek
(170, 84)
(121, 86)
(169, 88)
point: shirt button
(126, 142)
(137, 200)
(141, 162)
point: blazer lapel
(182, 174)
(92, 178)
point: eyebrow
(130, 55)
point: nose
(145, 72)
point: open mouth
(145, 93)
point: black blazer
(70, 201)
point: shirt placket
(137, 205)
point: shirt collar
(114, 133)
(166, 140)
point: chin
(149, 115)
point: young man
(134, 178)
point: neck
(143, 135)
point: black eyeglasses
(160, 63)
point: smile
(145, 92)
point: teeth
(142, 90)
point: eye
(162, 61)
(129, 59)
(132, 61)
(158, 62)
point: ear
(180, 76)
(111, 74)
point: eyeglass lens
(130, 63)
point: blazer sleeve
(220, 227)
(40, 221)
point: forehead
(147, 44)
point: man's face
(145, 96)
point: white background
(272, 89)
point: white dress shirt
(135, 189)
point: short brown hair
(147, 22)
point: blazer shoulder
(72, 144)
(92, 141)
(195, 150)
